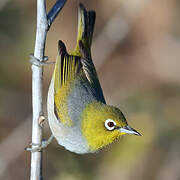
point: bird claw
(35, 147)
(37, 62)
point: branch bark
(43, 24)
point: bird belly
(68, 136)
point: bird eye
(110, 124)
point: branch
(55, 11)
(37, 81)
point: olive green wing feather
(90, 72)
(67, 68)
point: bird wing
(90, 72)
(69, 69)
(66, 69)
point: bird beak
(129, 130)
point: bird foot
(34, 147)
(37, 62)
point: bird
(78, 116)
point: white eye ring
(110, 124)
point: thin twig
(55, 11)
(37, 82)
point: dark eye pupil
(110, 124)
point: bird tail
(86, 21)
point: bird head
(103, 124)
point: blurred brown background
(136, 49)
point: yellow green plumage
(93, 118)
(86, 21)
(65, 72)
(78, 115)
(72, 66)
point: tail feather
(86, 21)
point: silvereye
(78, 115)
